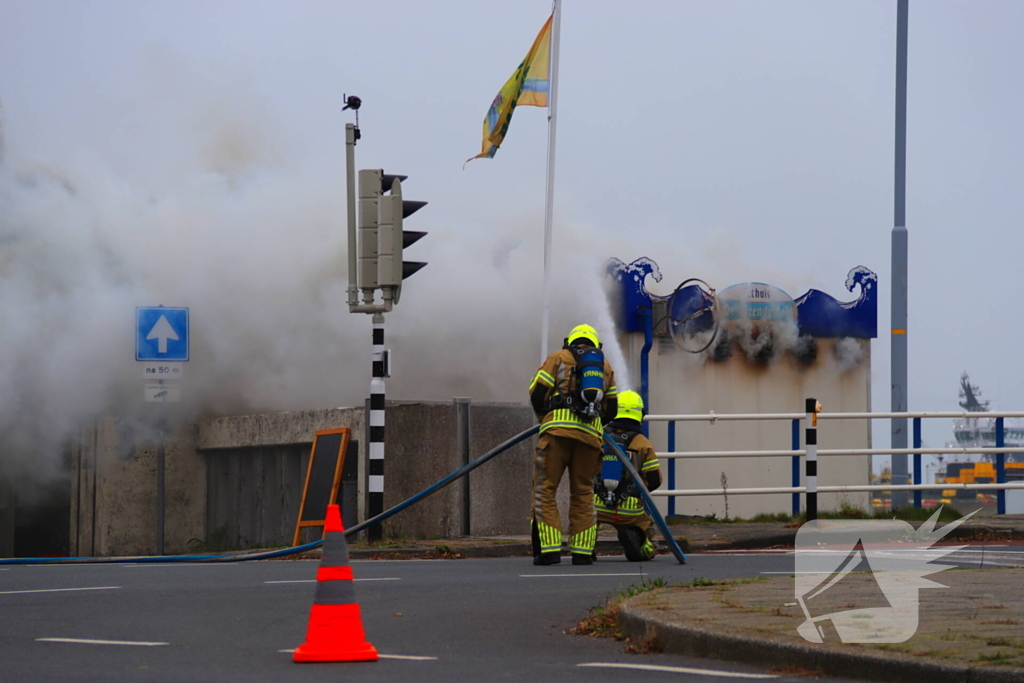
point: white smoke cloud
(254, 242)
(849, 352)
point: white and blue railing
(796, 453)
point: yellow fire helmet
(583, 332)
(631, 406)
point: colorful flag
(528, 86)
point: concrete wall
(501, 489)
(236, 482)
(257, 466)
(683, 383)
(6, 518)
(256, 469)
(114, 489)
(422, 449)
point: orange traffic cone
(335, 632)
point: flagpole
(550, 190)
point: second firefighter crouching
(570, 392)
(616, 498)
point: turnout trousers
(555, 455)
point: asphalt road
(439, 620)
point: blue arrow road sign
(161, 333)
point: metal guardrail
(796, 453)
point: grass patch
(216, 542)
(700, 581)
(996, 658)
(602, 621)
(644, 586)
(907, 513)
(769, 517)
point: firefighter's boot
(636, 544)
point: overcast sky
(728, 140)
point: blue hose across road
(270, 554)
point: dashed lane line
(61, 590)
(388, 578)
(411, 658)
(678, 670)
(557, 575)
(180, 564)
(87, 641)
(744, 553)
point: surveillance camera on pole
(392, 270)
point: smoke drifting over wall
(219, 219)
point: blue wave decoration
(818, 314)
(632, 294)
(822, 315)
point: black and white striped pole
(811, 457)
(376, 451)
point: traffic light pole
(376, 450)
(376, 244)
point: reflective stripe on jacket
(556, 375)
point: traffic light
(369, 214)
(393, 239)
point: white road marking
(412, 658)
(389, 578)
(678, 670)
(384, 550)
(86, 641)
(180, 564)
(5, 569)
(743, 553)
(61, 590)
(550, 576)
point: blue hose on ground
(652, 510)
(271, 554)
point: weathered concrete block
(420, 449)
(500, 490)
(274, 429)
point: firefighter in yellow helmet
(570, 393)
(616, 497)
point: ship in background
(980, 432)
(969, 432)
